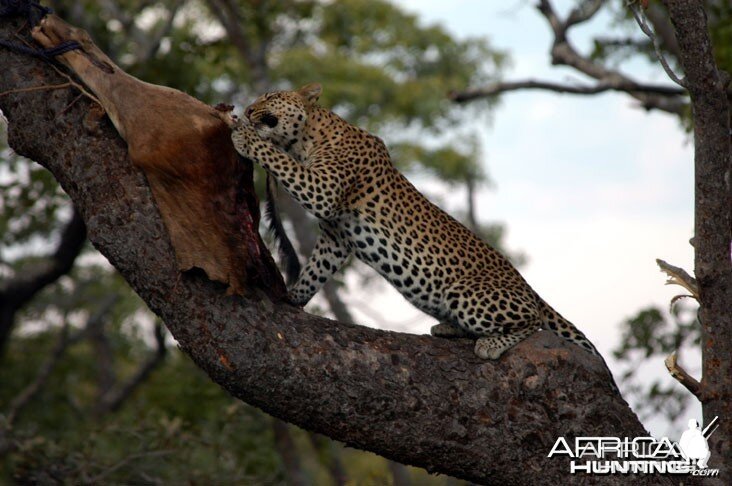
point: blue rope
(33, 12)
(30, 9)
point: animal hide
(201, 186)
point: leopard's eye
(270, 120)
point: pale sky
(591, 189)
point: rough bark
(713, 218)
(415, 399)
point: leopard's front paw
(244, 138)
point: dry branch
(600, 87)
(680, 375)
(666, 98)
(17, 291)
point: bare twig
(640, 19)
(36, 88)
(656, 16)
(614, 85)
(680, 375)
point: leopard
(365, 207)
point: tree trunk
(414, 399)
(713, 219)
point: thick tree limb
(713, 217)
(17, 291)
(414, 399)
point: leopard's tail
(554, 321)
(287, 252)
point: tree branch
(415, 399)
(680, 375)
(16, 292)
(657, 16)
(615, 85)
(665, 98)
(115, 397)
(640, 19)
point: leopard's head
(281, 116)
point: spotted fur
(366, 207)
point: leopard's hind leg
(499, 317)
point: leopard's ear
(310, 92)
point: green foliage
(383, 67)
(720, 26)
(178, 427)
(452, 164)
